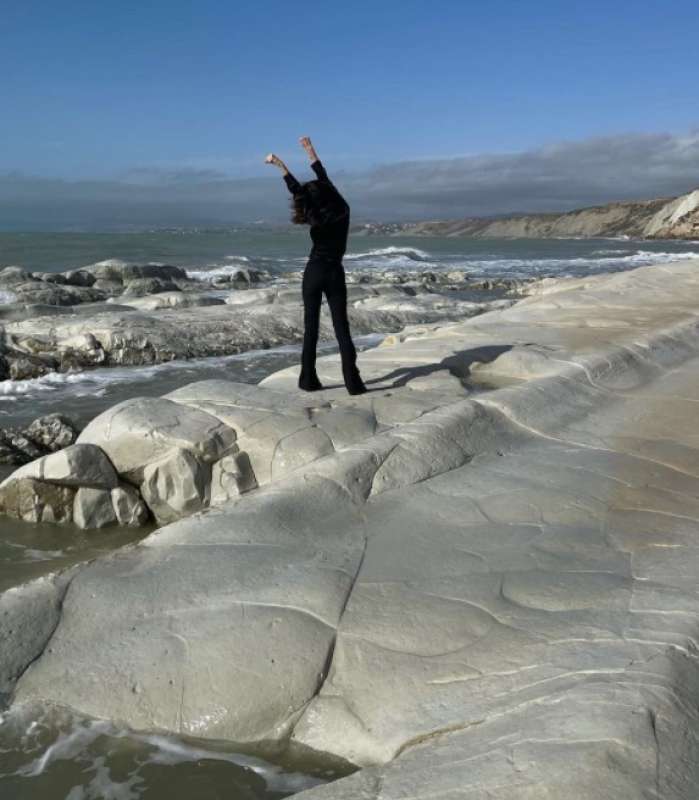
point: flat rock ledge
(490, 594)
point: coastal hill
(664, 218)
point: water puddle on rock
(56, 754)
(28, 550)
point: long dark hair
(317, 203)
(298, 209)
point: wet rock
(176, 486)
(80, 351)
(242, 276)
(92, 509)
(44, 435)
(50, 277)
(26, 366)
(79, 277)
(52, 432)
(118, 271)
(128, 506)
(33, 500)
(139, 287)
(16, 448)
(54, 295)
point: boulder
(139, 287)
(33, 500)
(52, 432)
(128, 506)
(176, 486)
(79, 277)
(116, 270)
(16, 448)
(230, 477)
(75, 466)
(92, 508)
(164, 272)
(54, 295)
(50, 277)
(139, 431)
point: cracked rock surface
(485, 594)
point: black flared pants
(326, 278)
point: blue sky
(159, 113)
(100, 89)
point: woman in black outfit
(318, 204)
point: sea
(48, 754)
(283, 249)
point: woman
(318, 204)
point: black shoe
(310, 384)
(358, 388)
(354, 383)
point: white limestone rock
(92, 508)
(299, 448)
(78, 465)
(230, 477)
(138, 432)
(28, 616)
(345, 425)
(240, 620)
(33, 500)
(129, 508)
(176, 485)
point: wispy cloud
(557, 177)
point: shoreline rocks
(162, 327)
(492, 590)
(44, 435)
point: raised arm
(316, 166)
(292, 184)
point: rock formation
(44, 435)
(153, 328)
(486, 587)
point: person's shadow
(458, 364)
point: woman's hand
(277, 162)
(307, 145)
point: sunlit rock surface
(132, 315)
(486, 588)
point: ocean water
(208, 252)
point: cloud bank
(553, 178)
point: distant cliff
(666, 218)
